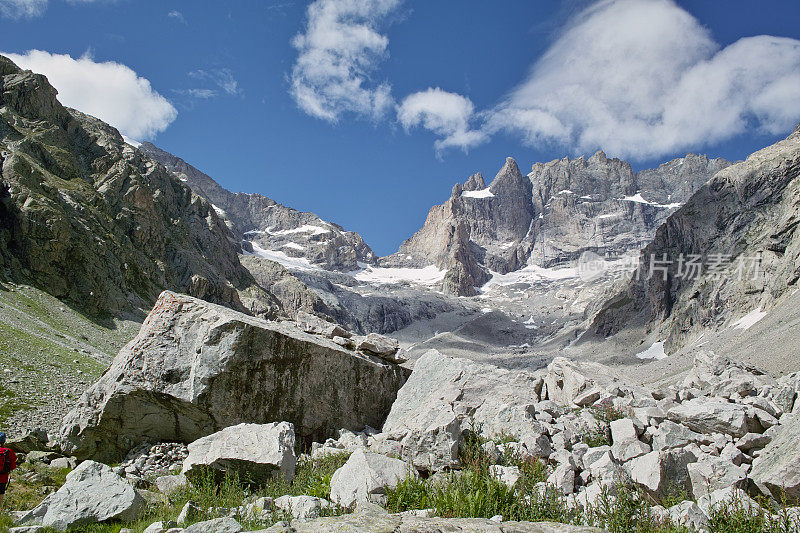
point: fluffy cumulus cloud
(110, 91)
(446, 114)
(643, 78)
(338, 53)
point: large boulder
(92, 493)
(662, 471)
(195, 368)
(777, 468)
(713, 415)
(256, 452)
(366, 476)
(446, 396)
(711, 473)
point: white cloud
(110, 91)
(177, 15)
(444, 113)
(202, 94)
(339, 50)
(17, 9)
(221, 77)
(643, 78)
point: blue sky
(371, 116)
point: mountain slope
(90, 220)
(270, 229)
(742, 227)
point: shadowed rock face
(556, 212)
(195, 368)
(90, 220)
(748, 210)
(267, 224)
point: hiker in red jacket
(8, 462)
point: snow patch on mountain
(483, 193)
(428, 275)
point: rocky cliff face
(556, 212)
(269, 229)
(732, 249)
(92, 221)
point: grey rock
(381, 346)
(64, 462)
(92, 493)
(366, 477)
(375, 521)
(556, 212)
(660, 472)
(217, 525)
(688, 514)
(778, 466)
(160, 527)
(753, 441)
(743, 211)
(507, 474)
(170, 484)
(731, 496)
(33, 440)
(227, 367)
(189, 512)
(318, 326)
(257, 452)
(668, 435)
(124, 227)
(712, 415)
(713, 473)
(445, 396)
(302, 507)
(563, 478)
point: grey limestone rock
(196, 368)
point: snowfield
(424, 276)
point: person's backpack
(5, 461)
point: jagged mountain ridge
(94, 222)
(270, 229)
(556, 212)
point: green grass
(601, 435)
(312, 478)
(469, 493)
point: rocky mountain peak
(598, 157)
(509, 178)
(474, 183)
(560, 209)
(270, 229)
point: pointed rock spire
(475, 183)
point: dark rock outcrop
(92, 221)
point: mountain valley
(144, 304)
